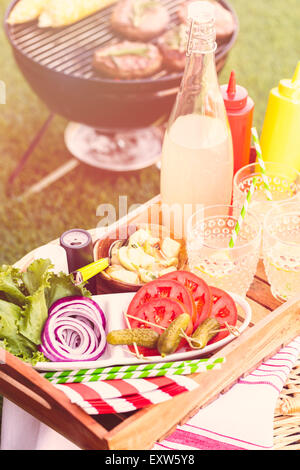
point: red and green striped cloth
(121, 389)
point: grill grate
(69, 50)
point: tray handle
(25, 387)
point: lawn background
(267, 49)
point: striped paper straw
(185, 370)
(241, 218)
(261, 163)
(75, 376)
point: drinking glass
(209, 232)
(283, 180)
(281, 249)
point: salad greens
(25, 298)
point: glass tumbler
(209, 232)
(281, 249)
(284, 183)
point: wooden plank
(260, 292)
(243, 354)
(261, 272)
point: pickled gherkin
(140, 336)
(205, 332)
(170, 339)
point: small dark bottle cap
(79, 249)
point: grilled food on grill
(224, 20)
(55, 13)
(26, 10)
(128, 60)
(61, 13)
(140, 20)
(172, 45)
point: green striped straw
(134, 371)
(261, 163)
(138, 374)
(241, 218)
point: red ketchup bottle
(239, 107)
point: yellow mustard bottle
(280, 137)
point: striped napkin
(242, 418)
(121, 389)
(120, 396)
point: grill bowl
(57, 64)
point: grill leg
(27, 154)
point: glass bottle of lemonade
(197, 156)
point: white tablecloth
(21, 431)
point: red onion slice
(80, 302)
(74, 331)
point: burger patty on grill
(172, 45)
(224, 20)
(128, 60)
(140, 20)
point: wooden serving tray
(273, 326)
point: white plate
(113, 305)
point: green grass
(267, 50)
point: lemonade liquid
(197, 162)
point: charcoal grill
(57, 63)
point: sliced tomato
(161, 312)
(164, 288)
(199, 290)
(224, 310)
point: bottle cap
(79, 249)
(290, 88)
(235, 96)
(201, 11)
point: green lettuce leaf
(61, 285)
(35, 357)
(28, 356)
(36, 275)
(11, 285)
(33, 316)
(10, 336)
